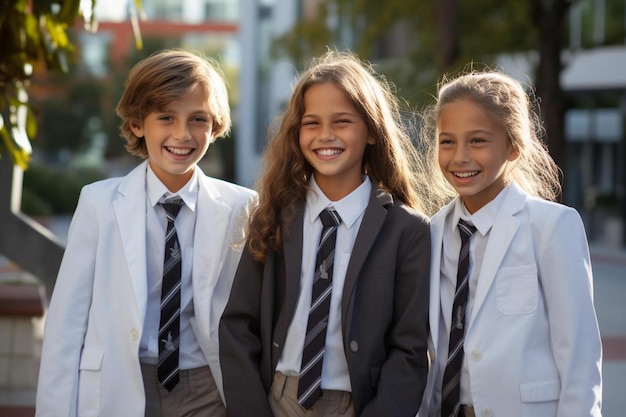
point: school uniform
(383, 307)
(94, 334)
(532, 345)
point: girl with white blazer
(531, 344)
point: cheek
(301, 140)
(441, 159)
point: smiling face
(473, 152)
(333, 137)
(177, 138)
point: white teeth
(328, 152)
(180, 151)
(466, 174)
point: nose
(326, 132)
(181, 131)
(461, 154)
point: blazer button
(354, 346)
(134, 334)
(476, 356)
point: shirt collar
(158, 192)
(483, 218)
(349, 208)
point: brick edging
(21, 300)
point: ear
(371, 140)
(513, 155)
(136, 128)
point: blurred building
(193, 11)
(105, 55)
(189, 11)
(267, 79)
(594, 80)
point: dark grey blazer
(384, 314)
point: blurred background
(571, 53)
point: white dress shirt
(335, 374)
(483, 221)
(189, 350)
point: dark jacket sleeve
(241, 345)
(403, 374)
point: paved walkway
(609, 269)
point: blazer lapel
(130, 212)
(292, 246)
(373, 219)
(437, 225)
(210, 237)
(504, 227)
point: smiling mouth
(465, 174)
(328, 152)
(179, 151)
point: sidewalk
(609, 269)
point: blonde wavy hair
(516, 110)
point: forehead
(326, 97)
(466, 114)
(196, 96)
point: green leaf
(69, 12)
(19, 156)
(29, 31)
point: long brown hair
(286, 173)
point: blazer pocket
(90, 382)
(517, 289)
(540, 398)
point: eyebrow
(472, 132)
(339, 114)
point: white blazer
(532, 343)
(90, 358)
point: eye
(199, 119)
(165, 118)
(445, 142)
(478, 140)
(309, 123)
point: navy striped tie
(309, 386)
(169, 325)
(450, 395)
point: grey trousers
(195, 395)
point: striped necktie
(309, 386)
(450, 403)
(169, 325)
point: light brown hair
(161, 79)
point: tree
(447, 36)
(550, 19)
(34, 38)
(30, 30)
